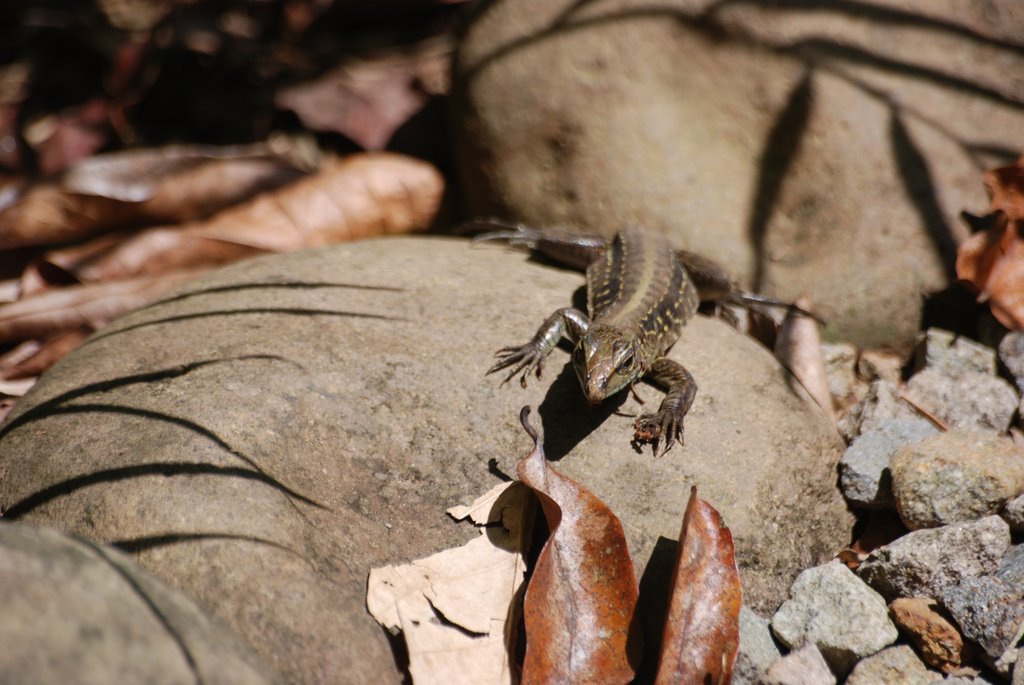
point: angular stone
(77, 612)
(1011, 566)
(274, 430)
(832, 608)
(923, 563)
(757, 650)
(1013, 513)
(955, 476)
(892, 666)
(1011, 353)
(990, 612)
(803, 666)
(937, 640)
(953, 355)
(864, 468)
(881, 403)
(971, 400)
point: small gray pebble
(832, 608)
(954, 355)
(757, 650)
(970, 400)
(990, 612)
(1011, 566)
(1013, 513)
(882, 402)
(892, 666)
(804, 666)
(923, 563)
(1011, 353)
(864, 468)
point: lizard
(640, 294)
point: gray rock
(284, 442)
(1011, 566)
(757, 650)
(1013, 513)
(953, 355)
(971, 400)
(881, 403)
(989, 611)
(892, 666)
(864, 468)
(832, 608)
(924, 563)
(804, 666)
(1011, 353)
(77, 612)
(955, 476)
(965, 680)
(570, 114)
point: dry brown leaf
(49, 353)
(798, 347)
(356, 197)
(454, 608)
(882, 528)
(61, 309)
(368, 100)
(702, 629)
(162, 185)
(580, 605)
(992, 261)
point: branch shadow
(166, 469)
(270, 285)
(228, 313)
(917, 180)
(780, 150)
(148, 542)
(57, 406)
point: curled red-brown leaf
(992, 261)
(356, 197)
(580, 605)
(702, 627)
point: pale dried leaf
(17, 388)
(798, 347)
(481, 511)
(453, 607)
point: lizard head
(606, 361)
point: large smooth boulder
(266, 436)
(812, 148)
(77, 612)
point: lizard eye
(627, 361)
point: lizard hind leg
(665, 427)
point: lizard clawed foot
(652, 428)
(525, 358)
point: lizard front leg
(566, 322)
(667, 423)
